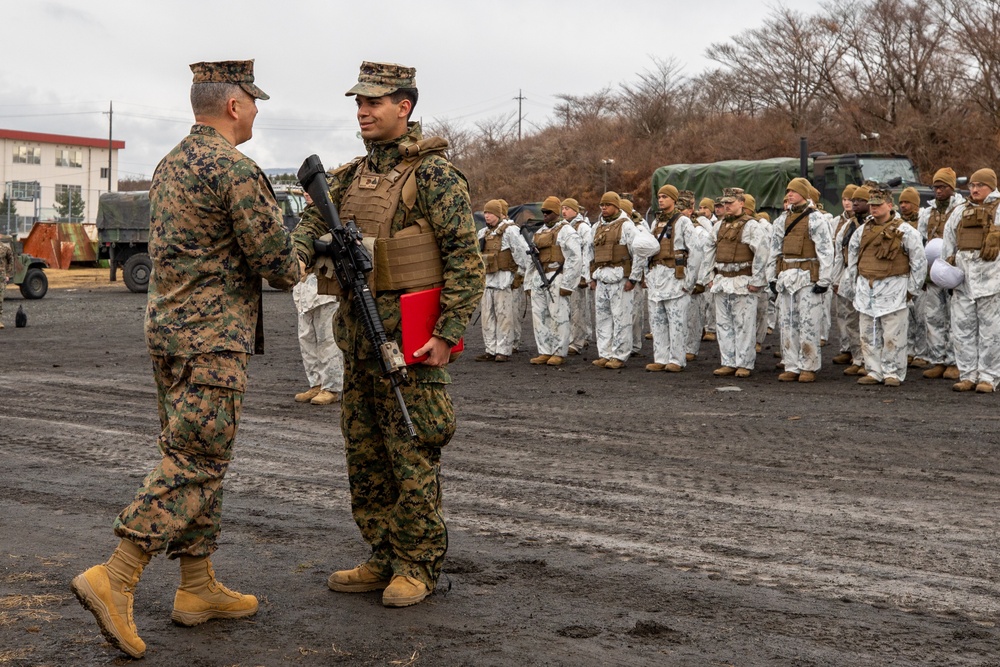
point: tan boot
(742, 372)
(723, 371)
(807, 376)
(788, 376)
(673, 368)
(602, 362)
(868, 380)
(984, 388)
(541, 359)
(555, 360)
(325, 397)
(842, 359)
(934, 372)
(951, 373)
(852, 369)
(689, 356)
(106, 592)
(919, 363)
(615, 364)
(201, 598)
(653, 368)
(404, 591)
(891, 382)
(708, 335)
(358, 580)
(308, 395)
(964, 385)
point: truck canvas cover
(123, 217)
(766, 180)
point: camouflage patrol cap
(239, 72)
(380, 79)
(729, 195)
(687, 195)
(881, 194)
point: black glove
(774, 287)
(820, 289)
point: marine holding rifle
(409, 198)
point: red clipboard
(419, 312)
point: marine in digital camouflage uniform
(6, 269)
(394, 481)
(215, 230)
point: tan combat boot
(201, 598)
(951, 373)
(723, 371)
(934, 372)
(555, 360)
(807, 376)
(106, 592)
(984, 388)
(358, 580)
(673, 368)
(308, 395)
(842, 359)
(690, 356)
(615, 364)
(742, 372)
(788, 376)
(540, 359)
(654, 368)
(325, 397)
(602, 362)
(404, 591)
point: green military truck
(767, 179)
(123, 231)
(29, 271)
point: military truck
(123, 232)
(767, 179)
(29, 271)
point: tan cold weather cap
(800, 186)
(380, 79)
(626, 206)
(551, 204)
(946, 175)
(764, 216)
(848, 192)
(986, 177)
(911, 195)
(569, 202)
(239, 72)
(861, 192)
(706, 202)
(611, 198)
(493, 206)
(670, 191)
(749, 202)
(504, 206)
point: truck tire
(136, 272)
(35, 284)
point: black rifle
(352, 264)
(536, 258)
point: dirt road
(595, 517)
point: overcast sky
(64, 61)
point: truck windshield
(884, 169)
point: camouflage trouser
(695, 322)
(975, 334)
(824, 331)
(668, 320)
(849, 329)
(179, 506)
(498, 320)
(322, 359)
(801, 322)
(395, 490)
(709, 312)
(934, 304)
(772, 312)
(916, 338)
(638, 318)
(763, 303)
(520, 302)
(613, 320)
(581, 318)
(3, 291)
(883, 344)
(550, 321)
(736, 329)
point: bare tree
(977, 30)
(650, 103)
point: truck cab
(832, 173)
(29, 271)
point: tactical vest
(667, 256)
(409, 259)
(549, 251)
(881, 253)
(608, 251)
(976, 219)
(730, 248)
(935, 222)
(847, 235)
(799, 246)
(495, 258)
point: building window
(104, 172)
(27, 155)
(25, 190)
(69, 158)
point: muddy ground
(596, 517)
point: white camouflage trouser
(709, 311)
(883, 344)
(849, 329)
(934, 304)
(824, 332)
(550, 321)
(916, 338)
(581, 318)
(613, 320)
(801, 322)
(696, 322)
(322, 359)
(638, 318)
(668, 320)
(772, 313)
(497, 309)
(763, 303)
(520, 301)
(736, 329)
(975, 334)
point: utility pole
(111, 111)
(520, 98)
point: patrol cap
(569, 202)
(879, 195)
(729, 195)
(611, 198)
(945, 175)
(238, 72)
(911, 195)
(380, 79)
(984, 176)
(669, 191)
(551, 204)
(848, 192)
(493, 206)
(686, 199)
